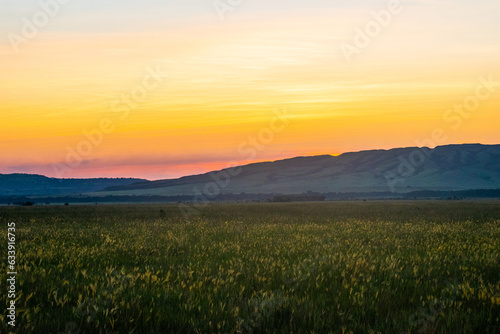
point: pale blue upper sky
(115, 15)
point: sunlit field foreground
(361, 267)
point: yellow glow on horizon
(220, 88)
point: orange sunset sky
(225, 76)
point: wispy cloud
(225, 78)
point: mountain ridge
(453, 167)
(23, 184)
(443, 168)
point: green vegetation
(365, 267)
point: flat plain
(332, 267)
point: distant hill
(403, 170)
(38, 185)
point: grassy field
(361, 267)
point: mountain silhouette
(444, 168)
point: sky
(162, 89)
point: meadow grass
(361, 267)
